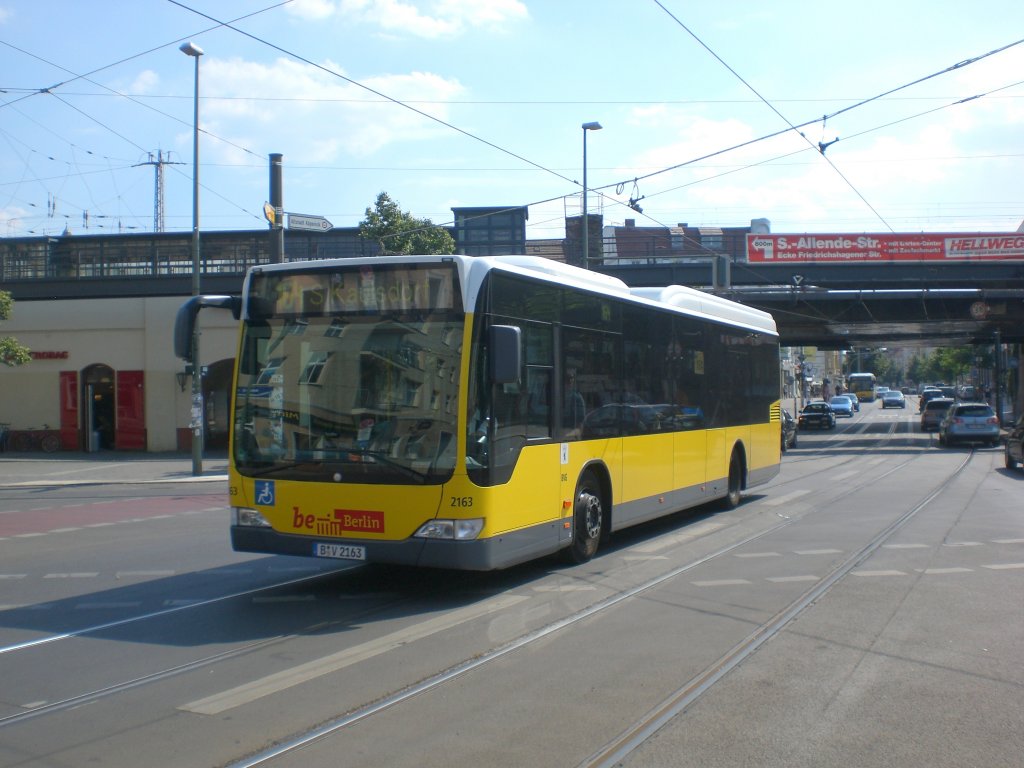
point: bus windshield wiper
(383, 458)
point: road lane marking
(930, 571)
(71, 575)
(778, 501)
(818, 552)
(786, 579)
(1008, 541)
(664, 542)
(288, 678)
(963, 544)
(1003, 566)
(757, 554)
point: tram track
(628, 739)
(636, 733)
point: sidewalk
(106, 467)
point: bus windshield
(350, 376)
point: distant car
(879, 391)
(842, 406)
(969, 423)
(933, 412)
(928, 393)
(788, 430)
(1012, 448)
(818, 414)
(854, 399)
(894, 399)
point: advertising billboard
(888, 247)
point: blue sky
(488, 100)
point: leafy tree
(11, 352)
(398, 232)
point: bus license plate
(339, 551)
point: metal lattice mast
(158, 186)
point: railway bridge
(839, 305)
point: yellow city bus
(862, 385)
(477, 412)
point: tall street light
(197, 410)
(594, 126)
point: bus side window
(538, 404)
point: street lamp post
(594, 126)
(197, 410)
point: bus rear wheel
(587, 519)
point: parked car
(788, 430)
(894, 399)
(933, 412)
(1012, 448)
(818, 414)
(842, 406)
(969, 423)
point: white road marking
(71, 576)
(1003, 566)
(943, 570)
(786, 579)
(819, 552)
(778, 501)
(758, 554)
(665, 542)
(257, 689)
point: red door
(69, 411)
(130, 430)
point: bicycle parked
(35, 439)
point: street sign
(308, 223)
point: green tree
(398, 232)
(11, 352)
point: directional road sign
(308, 223)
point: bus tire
(587, 519)
(734, 493)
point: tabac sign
(839, 248)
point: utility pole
(158, 192)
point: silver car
(969, 423)
(934, 411)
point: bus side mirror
(506, 353)
(185, 320)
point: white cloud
(311, 9)
(441, 18)
(5, 14)
(145, 82)
(324, 117)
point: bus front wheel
(734, 494)
(587, 518)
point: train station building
(97, 313)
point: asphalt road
(864, 609)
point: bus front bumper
(477, 555)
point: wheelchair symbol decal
(265, 493)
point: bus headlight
(459, 530)
(248, 517)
